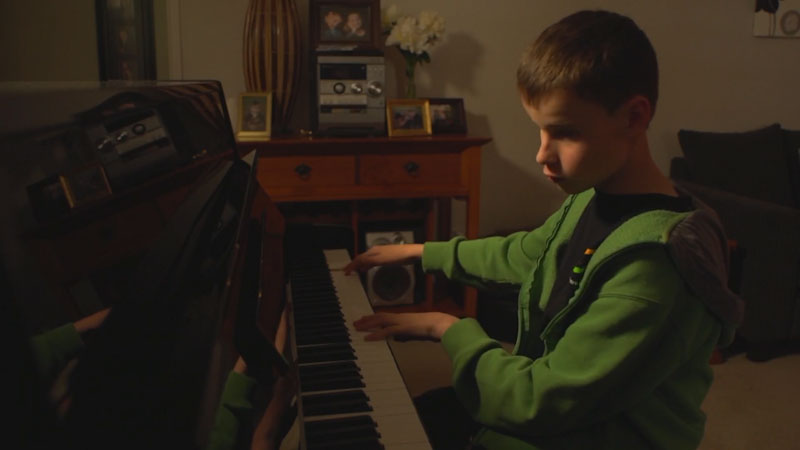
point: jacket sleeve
(233, 420)
(497, 259)
(616, 352)
(53, 349)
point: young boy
(623, 290)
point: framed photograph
(345, 24)
(408, 117)
(125, 39)
(86, 184)
(255, 116)
(448, 116)
(48, 199)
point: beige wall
(48, 40)
(715, 74)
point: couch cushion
(752, 163)
(791, 143)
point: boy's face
(582, 145)
(354, 21)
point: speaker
(390, 285)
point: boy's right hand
(382, 255)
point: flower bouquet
(414, 37)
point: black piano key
(335, 403)
(327, 352)
(347, 429)
(316, 308)
(349, 444)
(330, 376)
(313, 301)
(329, 368)
(323, 328)
(333, 383)
(317, 427)
(322, 321)
(312, 312)
(323, 338)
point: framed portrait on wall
(125, 39)
(344, 24)
(255, 116)
(408, 117)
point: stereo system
(132, 146)
(350, 95)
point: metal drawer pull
(412, 168)
(303, 170)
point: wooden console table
(436, 168)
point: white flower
(416, 35)
(389, 17)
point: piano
(133, 196)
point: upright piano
(133, 197)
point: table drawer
(294, 171)
(411, 168)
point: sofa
(752, 180)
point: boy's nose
(544, 155)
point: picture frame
(345, 25)
(125, 39)
(85, 185)
(48, 198)
(254, 116)
(408, 117)
(448, 116)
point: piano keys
(352, 394)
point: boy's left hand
(428, 325)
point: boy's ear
(639, 112)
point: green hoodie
(625, 364)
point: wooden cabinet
(435, 168)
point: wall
(54, 40)
(714, 74)
(48, 40)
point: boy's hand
(92, 321)
(429, 325)
(382, 255)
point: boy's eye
(564, 133)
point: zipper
(582, 289)
(524, 314)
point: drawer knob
(412, 168)
(303, 170)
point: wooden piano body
(178, 238)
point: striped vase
(272, 54)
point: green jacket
(625, 364)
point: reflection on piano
(183, 244)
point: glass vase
(411, 82)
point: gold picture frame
(85, 185)
(408, 117)
(254, 116)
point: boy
(623, 290)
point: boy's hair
(601, 56)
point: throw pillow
(791, 143)
(752, 163)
